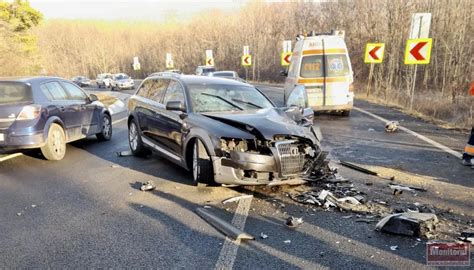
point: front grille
(291, 160)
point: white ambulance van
(321, 63)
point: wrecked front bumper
(243, 168)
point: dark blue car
(47, 113)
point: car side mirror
(93, 97)
(284, 73)
(175, 106)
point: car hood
(267, 122)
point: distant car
(222, 130)
(47, 113)
(104, 80)
(224, 73)
(122, 81)
(82, 81)
(204, 70)
(228, 74)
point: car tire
(135, 140)
(346, 113)
(55, 147)
(202, 170)
(106, 132)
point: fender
(51, 120)
(198, 133)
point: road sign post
(419, 29)
(169, 61)
(285, 58)
(209, 58)
(374, 53)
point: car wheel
(106, 133)
(346, 113)
(135, 140)
(55, 147)
(202, 164)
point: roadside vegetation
(71, 47)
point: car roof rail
(165, 74)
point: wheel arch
(49, 122)
(188, 149)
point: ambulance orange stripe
(325, 51)
(469, 150)
(321, 80)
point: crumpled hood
(268, 122)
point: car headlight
(228, 144)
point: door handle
(62, 108)
(83, 108)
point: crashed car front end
(260, 162)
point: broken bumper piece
(244, 168)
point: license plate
(2, 137)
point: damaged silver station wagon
(222, 130)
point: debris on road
(394, 247)
(18, 214)
(236, 199)
(293, 222)
(410, 224)
(392, 126)
(33, 205)
(364, 170)
(223, 226)
(371, 130)
(147, 186)
(467, 237)
(124, 153)
(287, 241)
(263, 236)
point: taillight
(29, 112)
(351, 87)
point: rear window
(15, 92)
(336, 65)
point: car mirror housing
(175, 106)
(93, 98)
(297, 97)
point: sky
(136, 10)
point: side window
(153, 89)
(174, 92)
(53, 91)
(75, 93)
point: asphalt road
(87, 211)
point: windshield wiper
(247, 102)
(225, 100)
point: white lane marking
(10, 156)
(229, 250)
(119, 120)
(419, 136)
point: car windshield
(336, 65)
(219, 98)
(14, 92)
(223, 74)
(122, 77)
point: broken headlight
(233, 145)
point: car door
(149, 103)
(170, 121)
(88, 115)
(59, 104)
